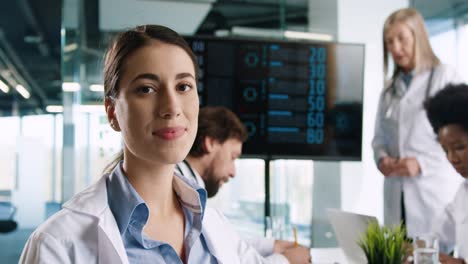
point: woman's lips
(170, 133)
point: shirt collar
(190, 194)
(407, 77)
(124, 199)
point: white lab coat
(264, 246)
(451, 227)
(85, 231)
(428, 193)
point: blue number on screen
(315, 119)
(311, 101)
(319, 136)
(312, 71)
(198, 46)
(200, 86)
(312, 87)
(320, 103)
(320, 87)
(311, 120)
(319, 119)
(310, 136)
(200, 60)
(201, 73)
(321, 71)
(314, 136)
(322, 55)
(313, 53)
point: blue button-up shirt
(131, 214)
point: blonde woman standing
(419, 181)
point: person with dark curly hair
(448, 114)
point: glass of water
(426, 249)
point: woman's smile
(170, 133)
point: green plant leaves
(384, 245)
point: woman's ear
(109, 103)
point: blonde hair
(424, 56)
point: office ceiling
(30, 48)
(30, 43)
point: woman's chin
(174, 158)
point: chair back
(7, 210)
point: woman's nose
(395, 48)
(169, 105)
(452, 157)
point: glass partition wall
(89, 143)
(48, 158)
(45, 159)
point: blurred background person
(419, 181)
(448, 113)
(210, 163)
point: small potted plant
(385, 245)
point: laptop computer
(349, 227)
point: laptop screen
(349, 228)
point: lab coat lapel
(417, 90)
(220, 242)
(111, 248)
(93, 201)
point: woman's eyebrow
(184, 75)
(150, 76)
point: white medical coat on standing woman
(402, 130)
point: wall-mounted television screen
(297, 99)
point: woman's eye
(146, 89)
(184, 87)
(460, 147)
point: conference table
(328, 256)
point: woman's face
(454, 141)
(157, 105)
(399, 41)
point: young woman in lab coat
(142, 212)
(448, 113)
(419, 181)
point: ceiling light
(54, 108)
(96, 87)
(70, 47)
(8, 78)
(272, 33)
(21, 90)
(92, 109)
(80, 108)
(4, 87)
(33, 39)
(71, 87)
(256, 32)
(308, 35)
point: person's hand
(298, 255)
(446, 259)
(407, 167)
(281, 245)
(386, 165)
